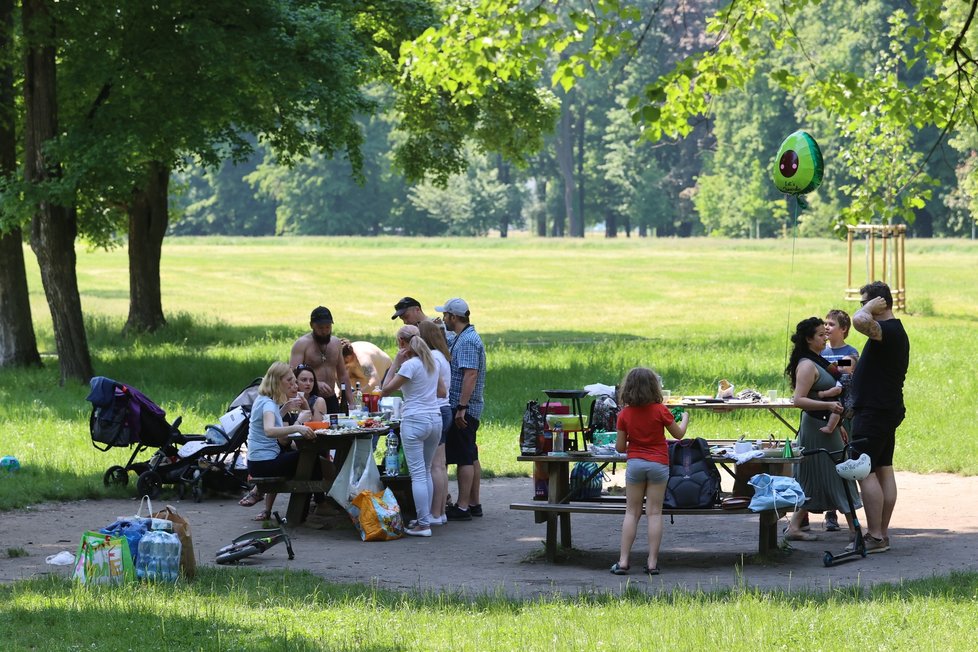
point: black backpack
(532, 431)
(694, 482)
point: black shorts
(460, 445)
(284, 465)
(878, 427)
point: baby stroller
(123, 416)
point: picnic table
(558, 507)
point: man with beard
(323, 353)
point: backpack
(533, 429)
(604, 414)
(581, 488)
(694, 482)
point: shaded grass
(247, 609)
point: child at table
(642, 424)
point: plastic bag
(103, 559)
(775, 492)
(358, 473)
(378, 516)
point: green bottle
(787, 449)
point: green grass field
(554, 314)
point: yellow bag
(181, 528)
(377, 516)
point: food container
(569, 422)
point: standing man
(409, 310)
(465, 398)
(877, 393)
(321, 351)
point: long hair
(271, 383)
(418, 346)
(803, 331)
(314, 392)
(640, 387)
(434, 337)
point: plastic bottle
(390, 455)
(159, 554)
(558, 437)
(358, 399)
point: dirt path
(933, 534)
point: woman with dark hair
(313, 407)
(809, 375)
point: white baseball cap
(455, 307)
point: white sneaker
(441, 520)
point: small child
(641, 425)
(843, 358)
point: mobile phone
(844, 362)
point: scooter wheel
(235, 555)
(827, 559)
(115, 475)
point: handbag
(358, 473)
(103, 559)
(181, 528)
(775, 492)
(378, 516)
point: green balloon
(798, 168)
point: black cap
(321, 315)
(401, 306)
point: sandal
(263, 515)
(618, 569)
(249, 499)
(651, 571)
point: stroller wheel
(149, 484)
(115, 475)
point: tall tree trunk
(565, 160)
(148, 218)
(542, 199)
(577, 227)
(610, 224)
(53, 227)
(18, 345)
(503, 175)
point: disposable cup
(772, 395)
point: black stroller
(123, 416)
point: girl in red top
(641, 434)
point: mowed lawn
(553, 314)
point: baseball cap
(401, 306)
(455, 307)
(321, 315)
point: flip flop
(262, 516)
(617, 569)
(801, 536)
(651, 571)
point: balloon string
(791, 275)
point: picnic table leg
(551, 549)
(299, 501)
(767, 535)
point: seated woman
(306, 406)
(267, 430)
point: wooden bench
(400, 486)
(549, 512)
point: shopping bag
(103, 559)
(378, 516)
(775, 492)
(359, 473)
(181, 528)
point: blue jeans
(420, 435)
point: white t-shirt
(420, 391)
(444, 373)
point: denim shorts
(639, 471)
